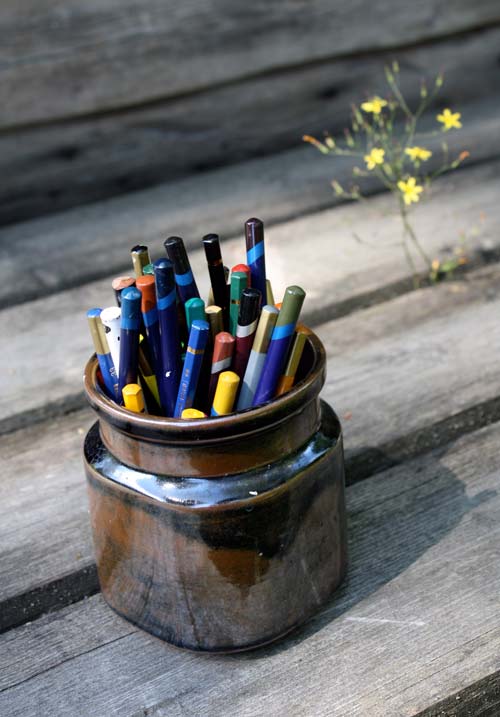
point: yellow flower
(418, 153)
(450, 120)
(410, 190)
(375, 105)
(375, 157)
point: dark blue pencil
(256, 259)
(192, 366)
(186, 285)
(166, 295)
(129, 337)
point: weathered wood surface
(45, 358)
(55, 165)
(89, 242)
(46, 558)
(400, 375)
(67, 59)
(481, 699)
(417, 620)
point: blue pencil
(256, 259)
(192, 366)
(103, 353)
(169, 375)
(280, 343)
(129, 337)
(186, 285)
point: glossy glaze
(220, 536)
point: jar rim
(167, 429)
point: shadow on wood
(386, 538)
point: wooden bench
(101, 98)
(116, 131)
(413, 375)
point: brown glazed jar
(219, 534)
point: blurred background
(102, 97)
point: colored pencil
(192, 366)
(184, 279)
(147, 287)
(288, 376)
(133, 398)
(245, 269)
(211, 245)
(169, 375)
(214, 318)
(227, 387)
(279, 344)
(129, 337)
(256, 360)
(111, 319)
(256, 260)
(221, 360)
(140, 257)
(120, 283)
(189, 413)
(239, 281)
(194, 309)
(248, 318)
(98, 333)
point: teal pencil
(239, 281)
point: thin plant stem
(411, 262)
(410, 232)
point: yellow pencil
(133, 398)
(225, 393)
(192, 413)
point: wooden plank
(47, 553)
(481, 699)
(67, 59)
(416, 621)
(60, 164)
(45, 358)
(404, 360)
(278, 188)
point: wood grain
(86, 243)
(416, 622)
(44, 361)
(67, 59)
(43, 491)
(60, 164)
(399, 375)
(481, 699)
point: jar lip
(161, 428)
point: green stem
(410, 261)
(410, 232)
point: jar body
(210, 558)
